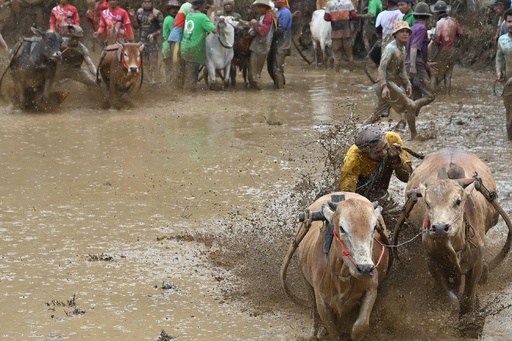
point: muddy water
(96, 207)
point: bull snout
(365, 269)
(57, 55)
(440, 230)
(133, 69)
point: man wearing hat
(263, 31)
(172, 8)
(193, 44)
(392, 76)
(416, 62)
(370, 162)
(447, 33)
(504, 69)
(405, 6)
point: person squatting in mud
(504, 70)
(371, 160)
(149, 21)
(392, 75)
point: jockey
(114, 24)
(63, 15)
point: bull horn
(375, 204)
(332, 205)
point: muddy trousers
(191, 75)
(255, 66)
(150, 62)
(168, 70)
(177, 66)
(507, 101)
(340, 45)
(275, 66)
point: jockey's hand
(408, 91)
(394, 154)
(385, 92)
(412, 73)
(432, 67)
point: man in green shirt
(193, 45)
(173, 6)
(405, 6)
(374, 8)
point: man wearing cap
(504, 69)
(63, 15)
(370, 162)
(172, 7)
(386, 21)
(405, 6)
(149, 21)
(281, 44)
(392, 76)
(193, 44)
(263, 31)
(447, 33)
(416, 62)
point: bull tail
(492, 197)
(300, 52)
(303, 230)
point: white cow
(219, 50)
(321, 35)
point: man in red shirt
(63, 15)
(115, 25)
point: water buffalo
(321, 36)
(33, 66)
(343, 273)
(121, 70)
(454, 218)
(219, 50)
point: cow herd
(344, 250)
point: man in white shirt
(386, 21)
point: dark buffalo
(32, 67)
(121, 70)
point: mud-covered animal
(32, 67)
(343, 261)
(121, 70)
(454, 218)
(242, 54)
(219, 50)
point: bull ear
(141, 47)
(375, 204)
(327, 213)
(465, 182)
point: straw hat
(400, 25)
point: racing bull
(454, 218)
(121, 70)
(343, 260)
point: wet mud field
(170, 220)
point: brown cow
(455, 218)
(120, 68)
(242, 54)
(349, 274)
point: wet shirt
(193, 45)
(357, 166)
(447, 30)
(62, 16)
(150, 21)
(419, 41)
(392, 65)
(340, 13)
(504, 56)
(116, 20)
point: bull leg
(227, 75)
(232, 74)
(362, 323)
(212, 82)
(472, 277)
(448, 82)
(441, 278)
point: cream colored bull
(454, 218)
(348, 276)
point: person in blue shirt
(281, 44)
